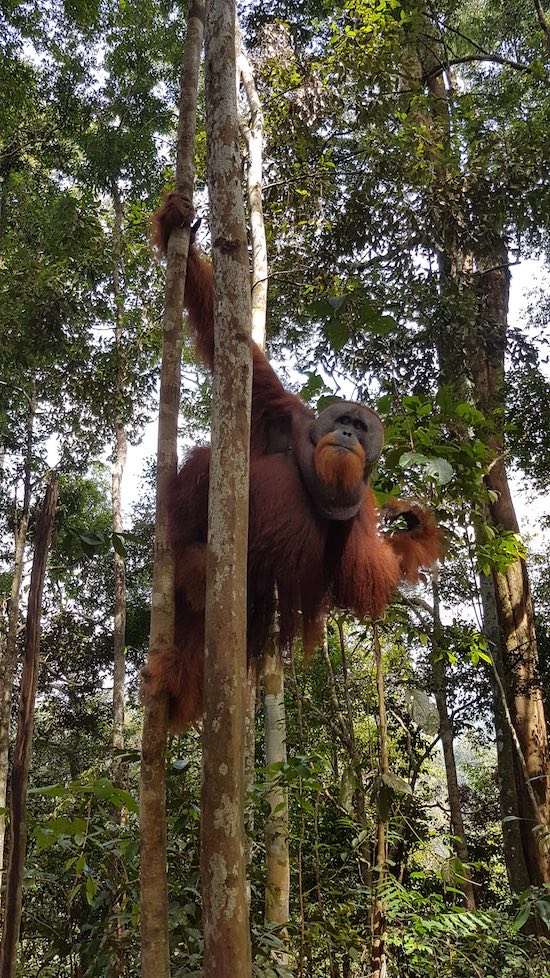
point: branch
(468, 59)
(344, 735)
(487, 54)
(543, 22)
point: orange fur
(339, 466)
(191, 575)
(311, 561)
(419, 547)
(181, 676)
(368, 570)
(312, 634)
(175, 212)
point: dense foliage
(388, 202)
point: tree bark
(155, 956)
(277, 894)
(250, 762)
(447, 742)
(23, 740)
(252, 130)
(378, 952)
(543, 23)
(512, 835)
(119, 630)
(253, 133)
(9, 651)
(472, 362)
(518, 650)
(223, 870)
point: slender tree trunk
(512, 836)
(543, 24)
(119, 630)
(300, 953)
(251, 698)
(277, 892)
(9, 650)
(344, 725)
(23, 740)
(518, 644)
(155, 957)
(119, 617)
(447, 742)
(346, 732)
(378, 953)
(253, 133)
(457, 823)
(223, 870)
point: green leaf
(469, 414)
(45, 838)
(117, 540)
(91, 889)
(384, 404)
(372, 320)
(439, 469)
(522, 916)
(398, 785)
(385, 325)
(543, 908)
(384, 801)
(122, 799)
(305, 806)
(408, 459)
(51, 791)
(348, 786)
(92, 539)
(337, 333)
(314, 385)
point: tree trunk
(515, 857)
(23, 740)
(223, 870)
(277, 892)
(518, 644)
(155, 957)
(253, 133)
(9, 651)
(447, 742)
(543, 24)
(252, 130)
(475, 356)
(119, 567)
(250, 761)
(378, 953)
(119, 630)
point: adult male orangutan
(314, 536)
